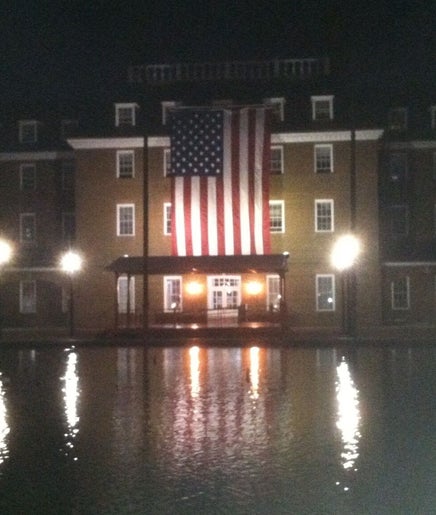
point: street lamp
(5, 257)
(343, 257)
(71, 263)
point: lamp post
(343, 257)
(5, 257)
(71, 263)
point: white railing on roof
(233, 70)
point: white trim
(125, 153)
(35, 156)
(102, 143)
(333, 291)
(282, 165)
(322, 98)
(158, 141)
(326, 136)
(172, 278)
(166, 160)
(166, 218)
(122, 283)
(332, 205)
(315, 160)
(132, 106)
(119, 207)
(280, 203)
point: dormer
(167, 105)
(397, 119)
(322, 107)
(277, 105)
(28, 131)
(125, 114)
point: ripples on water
(217, 430)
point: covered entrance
(224, 296)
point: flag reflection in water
(71, 395)
(348, 420)
(4, 426)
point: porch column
(116, 301)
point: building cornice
(409, 263)
(408, 145)
(36, 156)
(104, 143)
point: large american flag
(220, 161)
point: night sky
(53, 50)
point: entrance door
(224, 295)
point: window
(398, 167)
(27, 297)
(68, 128)
(273, 295)
(433, 117)
(276, 216)
(172, 293)
(277, 105)
(399, 219)
(325, 293)
(125, 220)
(167, 218)
(324, 216)
(277, 160)
(27, 131)
(397, 119)
(125, 115)
(167, 161)
(68, 227)
(126, 297)
(125, 164)
(322, 107)
(27, 228)
(400, 294)
(323, 158)
(67, 173)
(28, 177)
(166, 107)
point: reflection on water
(216, 430)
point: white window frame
(169, 282)
(281, 204)
(398, 119)
(279, 150)
(23, 127)
(122, 294)
(129, 121)
(400, 282)
(273, 295)
(166, 161)
(167, 218)
(27, 306)
(166, 106)
(120, 207)
(25, 168)
(120, 155)
(278, 106)
(318, 148)
(332, 215)
(318, 278)
(23, 217)
(316, 101)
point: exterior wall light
(345, 252)
(71, 263)
(5, 257)
(194, 288)
(253, 287)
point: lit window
(273, 293)
(397, 119)
(125, 115)
(324, 221)
(277, 105)
(167, 218)
(27, 297)
(126, 297)
(172, 293)
(323, 158)
(400, 294)
(27, 228)
(125, 164)
(27, 131)
(322, 107)
(67, 172)
(276, 216)
(399, 218)
(167, 162)
(125, 220)
(28, 177)
(277, 160)
(325, 293)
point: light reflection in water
(4, 427)
(254, 372)
(71, 396)
(194, 355)
(348, 420)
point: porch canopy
(162, 265)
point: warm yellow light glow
(345, 252)
(253, 287)
(254, 372)
(194, 354)
(194, 288)
(5, 252)
(71, 262)
(71, 397)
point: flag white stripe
(180, 215)
(244, 212)
(227, 180)
(258, 173)
(212, 216)
(195, 216)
